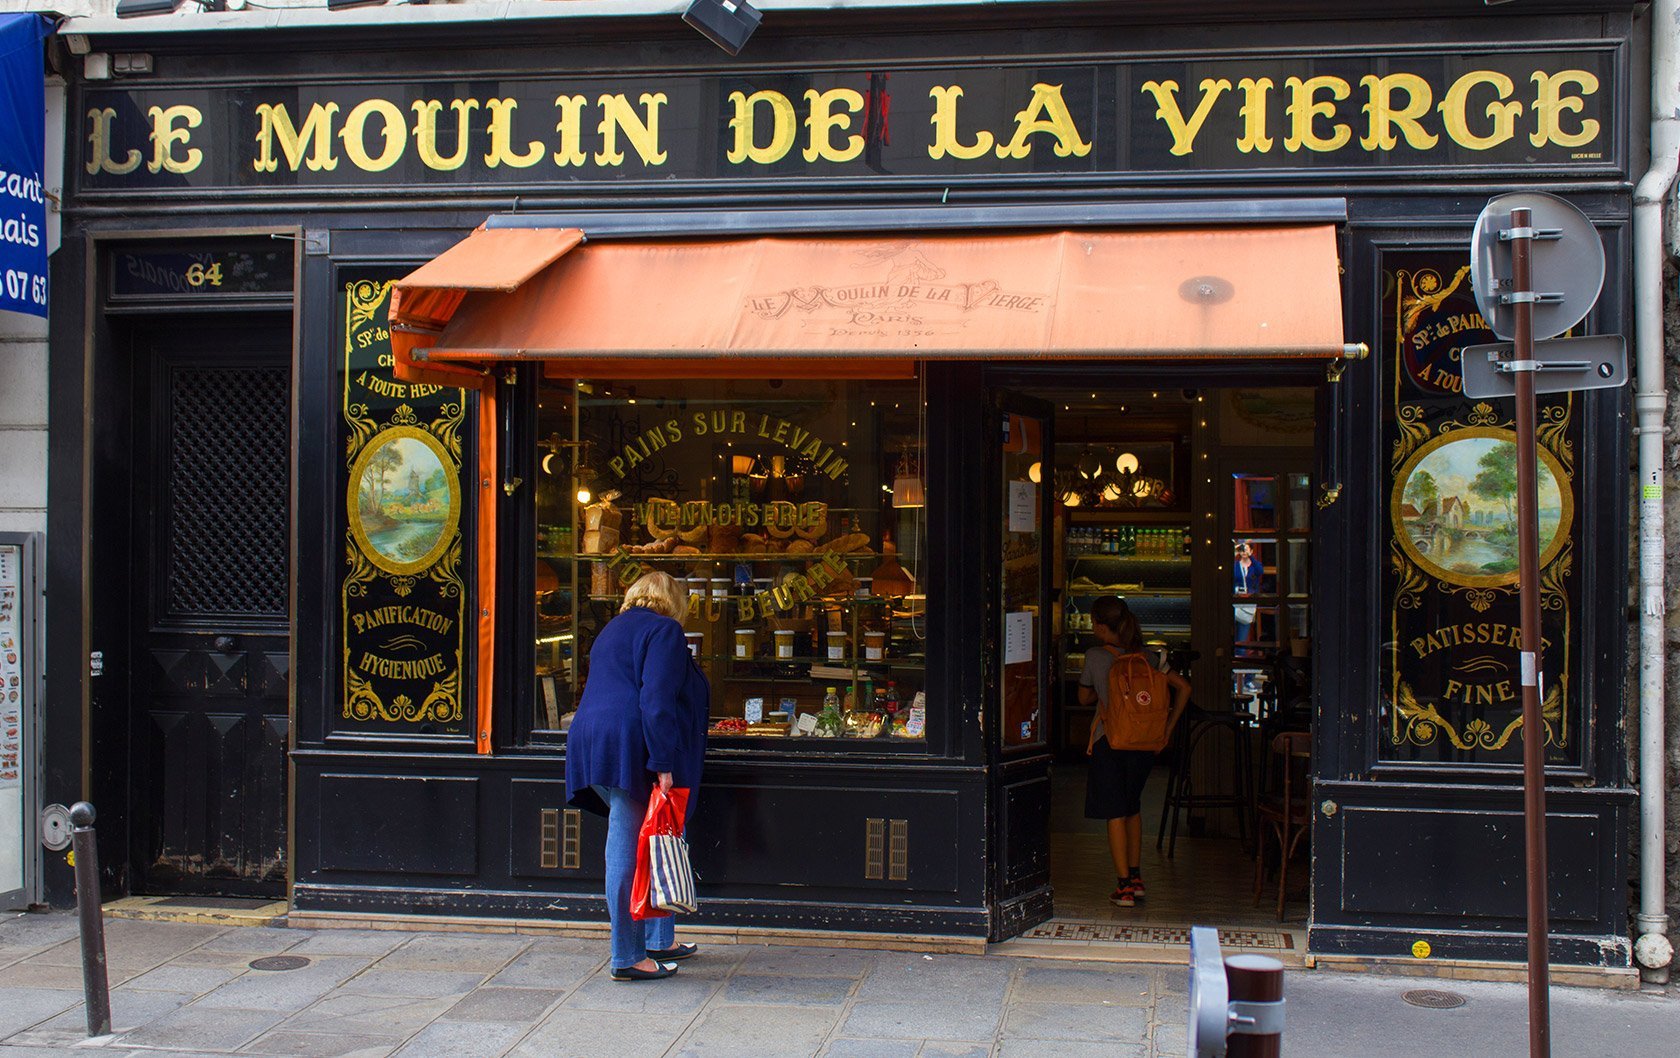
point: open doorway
(1195, 507)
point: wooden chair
(1286, 812)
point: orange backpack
(1139, 704)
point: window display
(794, 511)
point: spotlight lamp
(726, 23)
(136, 8)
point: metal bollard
(96, 986)
(1236, 1004)
(1255, 984)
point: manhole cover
(292, 962)
(1433, 998)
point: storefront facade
(340, 602)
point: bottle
(829, 722)
(891, 700)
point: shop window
(1449, 685)
(794, 512)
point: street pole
(1531, 649)
(96, 985)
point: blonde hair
(659, 592)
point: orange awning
(844, 304)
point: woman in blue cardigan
(641, 722)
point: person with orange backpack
(1138, 706)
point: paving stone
(1069, 1049)
(368, 1015)
(321, 1045)
(752, 1032)
(960, 1049)
(1084, 983)
(673, 995)
(1076, 1021)
(24, 1006)
(547, 965)
(808, 991)
(944, 1019)
(10, 1051)
(806, 962)
(1171, 1041)
(173, 978)
(849, 1048)
(420, 984)
(32, 973)
(522, 1005)
(285, 990)
(457, 952)
(195, 1026)
(975, 978)
(238, 961)
(570, 1033)
(375, 942)
(130, 1010)
(459, 1039)
(257, 940)
(34, 931)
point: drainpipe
(1652, 949)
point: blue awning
(23, 151)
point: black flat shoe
(631, 973)
(681, 951)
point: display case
(1142, 559)
(794, 515)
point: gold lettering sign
(1206, 113)
(795, 438)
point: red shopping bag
(664, 816)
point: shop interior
(1196, 507)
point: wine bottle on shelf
(892, 698)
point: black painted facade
(414, 821)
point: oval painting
(405, 500)
(1454, 507)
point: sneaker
(1123, 896)
(1136, 884)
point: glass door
(1270, 521)
(1021, 662)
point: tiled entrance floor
(1208, 882)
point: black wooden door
(1018, 708)
(212, 462)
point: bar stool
(1194, 727)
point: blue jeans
(631, 940)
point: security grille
(229, 459)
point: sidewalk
(184, 989)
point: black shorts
(1114, 788)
